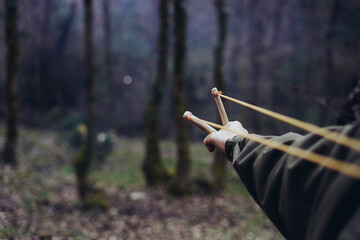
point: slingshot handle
(220, 106)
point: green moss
(96, 199)
(67, 169)
(253, 222)
(8, 232)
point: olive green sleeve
(304, 200)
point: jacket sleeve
(304, 200)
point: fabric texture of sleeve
(304, 200)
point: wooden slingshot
(204, 126)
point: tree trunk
(42, 88)
(62, 43)
(329, 81)
(153, 169)
(181, 182)
(219, 165)
(109, 65)
(255, 49)
(12, 63)
(83, 162)
(89, 195)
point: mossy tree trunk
(181, 184)
(83, 161)
(12, 63)
(109, 66)
(153, 168)
(219, 164)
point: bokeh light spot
(127, 80)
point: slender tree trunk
(328, 85)
(312, 78)
(41, 84)
(219, 165)
(153, 169)
(329, 81)
(82, 164)
(255, 47)
(181, 182)
(109, 63)
(90, 82)
(275, 98)
(62, 42)
(12, 62)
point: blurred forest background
(294, 57)
(122, 72)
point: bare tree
(255, 48)
(42, 86)
(219, 165)
(12, 62)
(154, 170)
(109, 65)
(90, 196)
(181, 182)
(84, 159)
(329, 81)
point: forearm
(287, 188)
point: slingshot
(348, 169)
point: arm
(304, 200)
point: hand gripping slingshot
(349, 169)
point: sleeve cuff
(230, 145)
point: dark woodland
(92, 96)
(301, 51)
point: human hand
(217, 140)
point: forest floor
(38, 199)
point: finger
(211, 148)
(208, 145)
